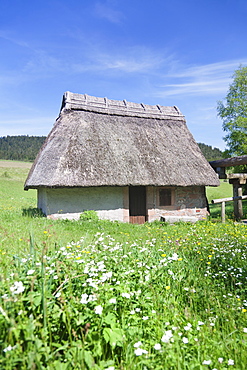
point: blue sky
(179, 52)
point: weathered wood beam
(240, 177)
(229, 162)
(214, 201)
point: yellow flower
(168, 287)
(244, 310)
(163, 255)
(180, 259)
(210, 256)
(208, 263)
(45, 232)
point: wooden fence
(223, 204)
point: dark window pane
(165, 197)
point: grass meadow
(106, 295)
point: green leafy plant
(89, 216)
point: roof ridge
(74, 101)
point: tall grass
(105, 295)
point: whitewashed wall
(108, 202)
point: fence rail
(223, 204)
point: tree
(234, 114)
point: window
(166, 197)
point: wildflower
(188, 326)
(174, 257)
(98, 310)
(140, 351)
(138, 344)
(113, 301)
(206, 362)
(168, 287)
(245, 330)
(30, 272)
(9, 348)
(126, 295)
(17, 288)
(111, 368)
(185, 340)
(157, 346)
(230, 362)
(84, 298)
(167, 336)
(106, 275)
(145, 318)
(200, 323)
(220, 359)
(58, 295)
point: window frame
(171, 206)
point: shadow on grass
(32, 212)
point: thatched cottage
(129, 162)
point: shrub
(89, 216)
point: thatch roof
(101, 142)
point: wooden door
(137, 204)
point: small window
(165, 197)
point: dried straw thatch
(101, 142)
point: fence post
(237, 192)
(223, 213)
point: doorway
(137, 204)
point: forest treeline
(25, 148)
(210, 153)
(20, 148)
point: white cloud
(106, 11)
(7, 35)
(209, 79)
